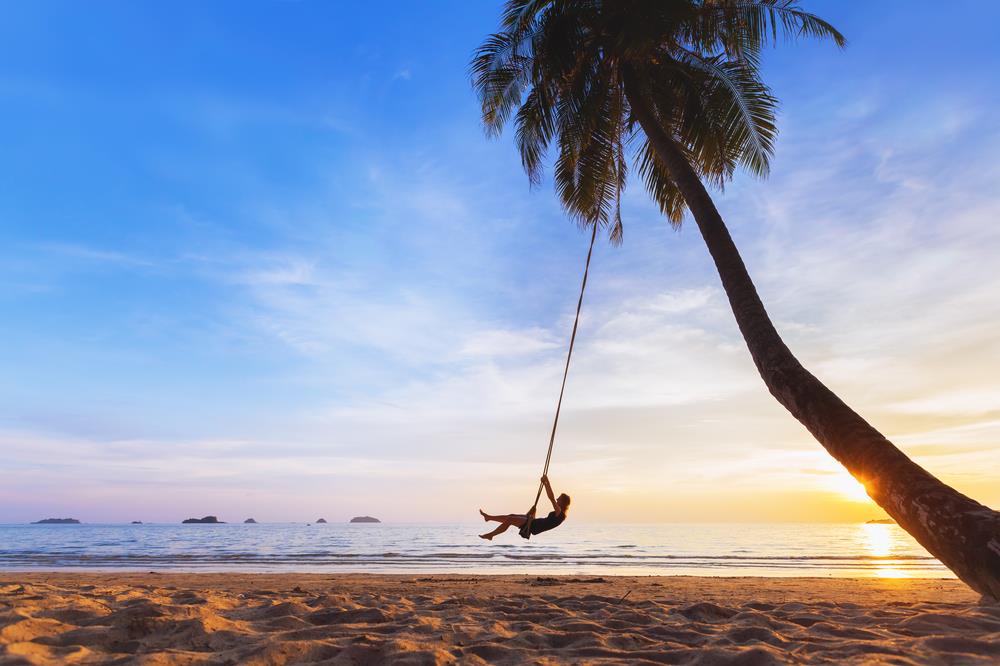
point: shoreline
(156, 618)
(497, 572)
(227, 576)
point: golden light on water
(878, 541)
(889, 571)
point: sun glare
(849, 487)
(878, 541)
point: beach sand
(174, 618)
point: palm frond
(746, 106)
(499, 74)
(745, 26)
(616, 234)
(519, 14)
(535, 124)
(590, 121)
(660, 187)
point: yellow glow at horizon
(849, 487)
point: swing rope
(562, 389)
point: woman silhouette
(560, 505)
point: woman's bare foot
(485, 515)
(488, 537)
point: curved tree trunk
(962, 533)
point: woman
(560, 505)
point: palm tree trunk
(962, 533)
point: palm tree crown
(567, 69)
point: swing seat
(525, 530)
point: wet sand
(180, 618)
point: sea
(826, 550)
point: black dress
(549, 522)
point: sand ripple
(281, 619)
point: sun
(848, 487)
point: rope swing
(525, 531)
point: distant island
(881, 521)
(57, 521)
(321, 520)
(249, 521)
(365, 519)
(206, 519)
(137, 522)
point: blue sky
(258, 258)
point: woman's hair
(563, 501)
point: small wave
(737, 558)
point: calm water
(710, 549)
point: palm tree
(673, 88)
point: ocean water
(847, 550)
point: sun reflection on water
(878, 541)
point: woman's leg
(499, 530)
(512, 518)
(516, 519)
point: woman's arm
(548, 491)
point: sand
(362, 619)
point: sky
(259, 259)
